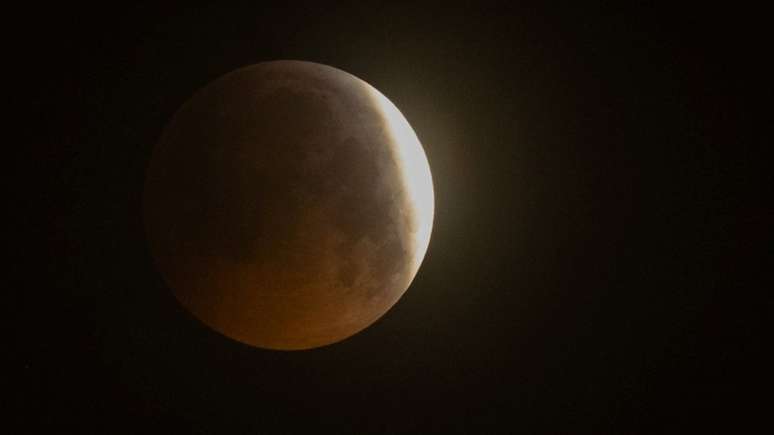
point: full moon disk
(288, 205)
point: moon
(288, 205)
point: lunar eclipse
(288, 205)
(221, 223)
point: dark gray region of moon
(275, 207)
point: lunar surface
(288, 205)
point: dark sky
(597, 257)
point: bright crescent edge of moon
(418, 182)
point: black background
(600, 238)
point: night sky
(600, 241)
